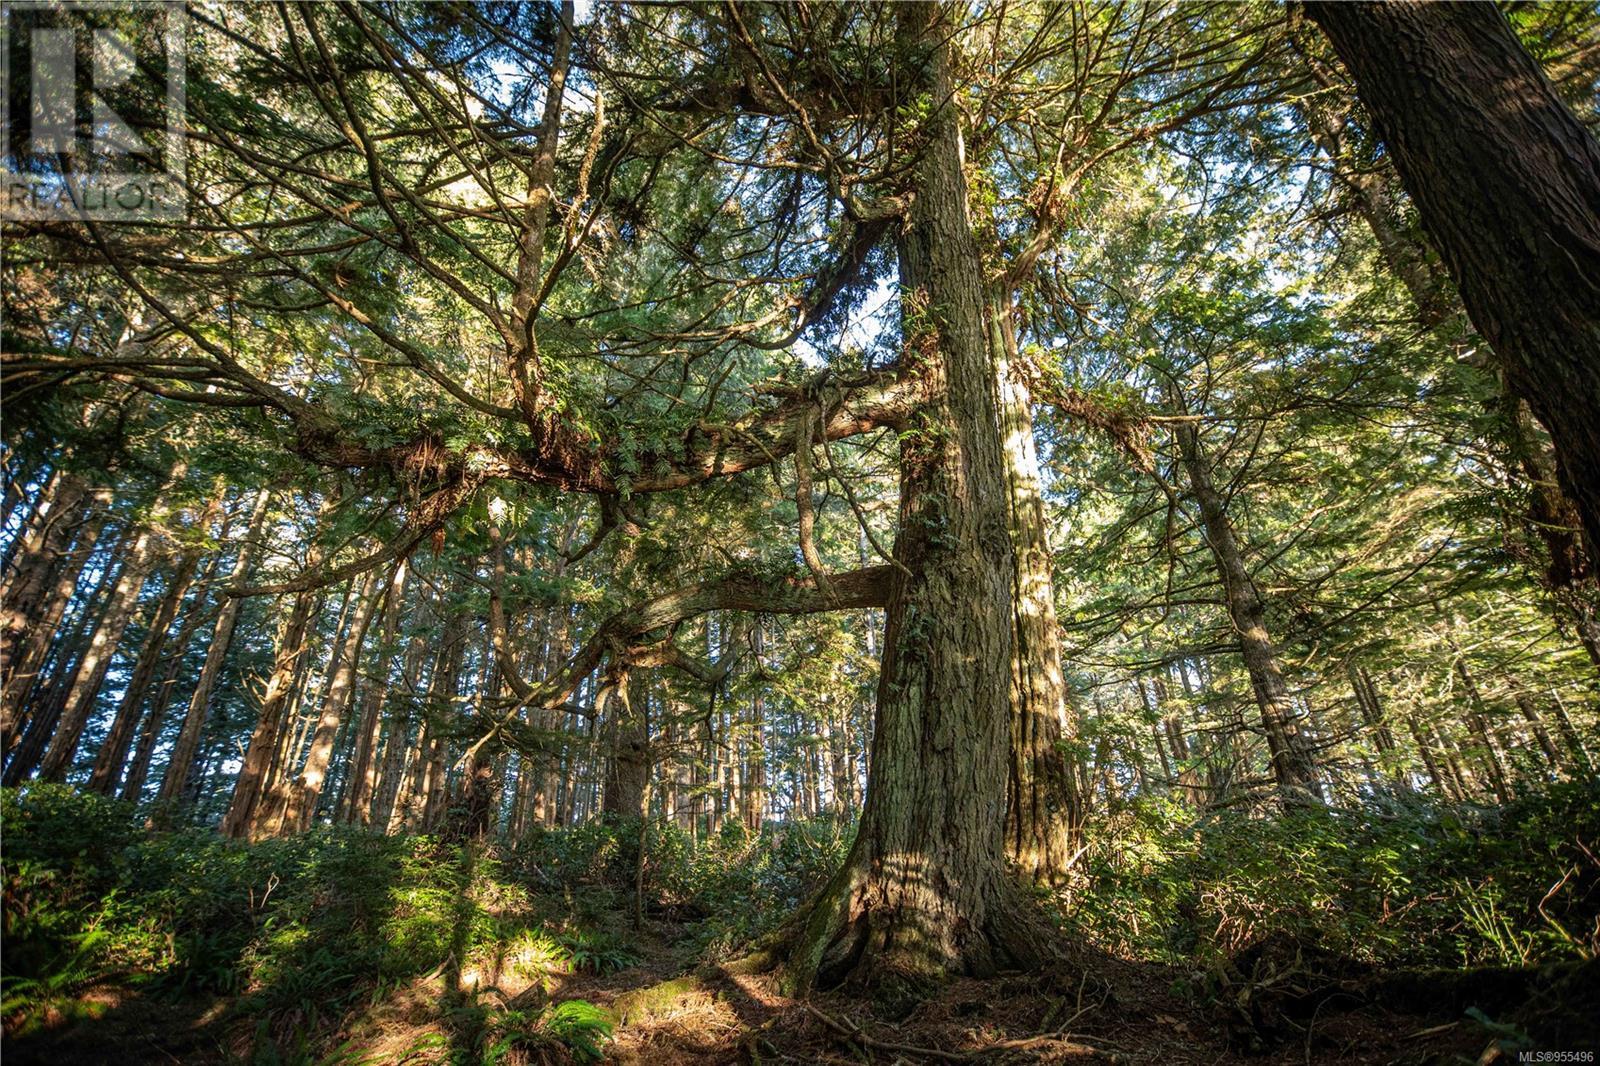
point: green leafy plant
(576, 1026)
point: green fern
(597, 953)
(577, 1026)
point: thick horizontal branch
(561, 458)
(745, 591)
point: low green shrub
(1406, 883)
(301, 930)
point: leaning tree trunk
(114, 749)
(1530, 711)
(924, 890)
(1292, 768)
(113, 752)
(1477, 717)
(249, 785)
(114, 620)
(1553, 518)
(38, 589)
(194, 720)
(167, 685)
(1507, 183)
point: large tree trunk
(1292, 768)
(1552, 517)
(628, 765)
(478, 804)
(1507, 183)
(924, 891)
(1044, 812)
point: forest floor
(670, 1009)
(1254, 941)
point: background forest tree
(984, 428)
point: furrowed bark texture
(924, 891)
(1507, 183)
(1292, 768)
(1044, 810)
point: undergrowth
(303, 935)
(1404, 882)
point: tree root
(850, 1032)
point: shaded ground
(1277, 1004)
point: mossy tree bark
(924, 891)
(1044, 809)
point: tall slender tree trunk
(28, 655)
(755, 758)
(1370, 704)
(58, 674)
(425, 801)
(50, 699)
(1441, 783)
(118, 612)
(1044, 813)
(166, 686)
(252, 803)
(398, 749)
(1292, 767)
(364, 765)
(24, 592)
(1466, 786)
(1375, 193)
(1569, 737)
(1530, 711)
(113, 752)
(302, 792)
(1478, 722)
(194, 720)
(1452, 92)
